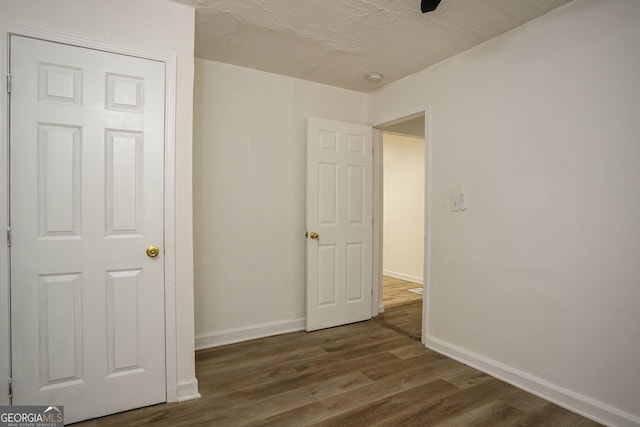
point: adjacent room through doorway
(403, 188)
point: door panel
(339, 210)
(59, 180)
(87, 162)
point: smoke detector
(374, 77)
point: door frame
(170, 62)
(378, 208)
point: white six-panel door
(339, 212)
(86, 200)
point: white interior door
(339, 223)
(86, 200)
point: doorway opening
(402, 222)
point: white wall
(152, 25)
(403, 217)
(539, 278)
(249, 192)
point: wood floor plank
(284, 379)
(494, 413)
(363, 374)
(402, 309)
(396, 292)
(408, 351)
(380, 411)
(276, 403)
(465, 377)
(428, 363)
(453, 405)
(266, 367)
(549, 415)
(322, 410)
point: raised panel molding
(355, 144)
(327, 141)
(327, 274)
(355, 194)
(124, 310)
(355, 265)
(327, 182)
(125, 93)
(59, 188)
(61, 330)
(59, 84)
(123, 177)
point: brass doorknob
(314, 235)
(152, 251)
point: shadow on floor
(403, 309)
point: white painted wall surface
(540, 274)
(156, 26)
(249, 192)
(403, 228)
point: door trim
(169, 194)
(376, 301)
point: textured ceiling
(337, 42)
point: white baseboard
(575, 402)
(246, 333)
(188, 390)
(402, 276)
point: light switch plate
(457, 201)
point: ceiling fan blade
(429, 5)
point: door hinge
(8, 83)
(9, 236)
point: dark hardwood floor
(402, 308)
(405, 319)
(363, 374)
